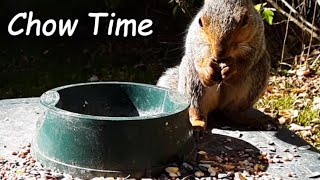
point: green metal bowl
(113, 129)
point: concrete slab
(18, 119)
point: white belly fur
(234, 97)
(210, 100)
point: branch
(300, 16)
(299, 24)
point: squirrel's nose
(220, 53)
(220, 59)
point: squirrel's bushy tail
(170, 78)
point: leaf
(174, 11)
(289, 113)
(267, 14)
(260, 6)
(298, 90)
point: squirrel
(225, 66)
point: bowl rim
(182, 107)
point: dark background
(31, 65)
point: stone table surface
(18, 119)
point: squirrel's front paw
(205, 76)
(210, 74)
(227, 71)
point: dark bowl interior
(116, 100)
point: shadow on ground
(281, 133)
(229, 153)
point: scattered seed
(264, 153)
(238, 134)
(277, 156)
(172, 170)
(271, 143)
(229, 148)
(290, 157)
(212, 167)
(272, 149)
(205, 165)
(199, 174)
(238, 176)
(173, 175)
(245, 155)
(276, 160)
(187, 166)
(219, 159)
(19, 171)
(296, 155)
(248, 150)
(286, 150)
(291, 174)
(202, 153)
(57, 175)
(229, 167)
(258, 167)
(212, 171)
(222, 175)
(303, 148)
(38, 164)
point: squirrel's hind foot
(198, 122)
(197, 119)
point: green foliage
(174, 10)
(185, 6)
(266, 13)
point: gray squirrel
(225, 66)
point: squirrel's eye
(244, 21)
(200, 22)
